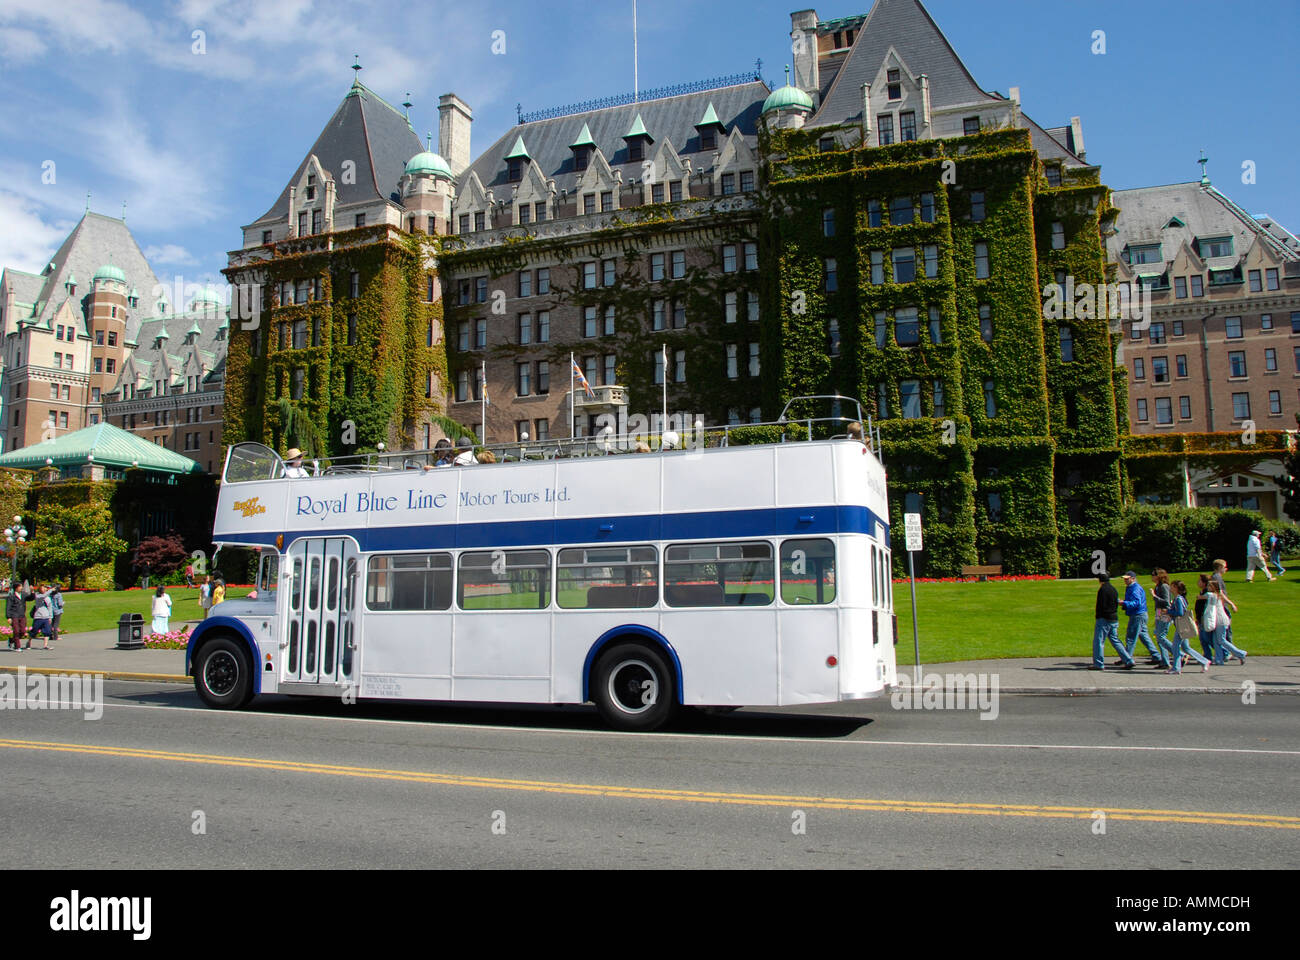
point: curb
(106, 674)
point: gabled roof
(111, 447)
(374, 135)
(26, 286)
(671, 118)
(908, 27)
(95, 241)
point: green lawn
(1055, 618)
(99, 611)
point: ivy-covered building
(337, 319)
(915, 221)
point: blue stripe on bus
(713, 524)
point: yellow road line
(861, 804)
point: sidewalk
(96, 652)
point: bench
(984, 572)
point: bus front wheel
(633, 687)
(223, 674)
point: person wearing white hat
(1255, 559)
(293, 468)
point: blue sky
(198, 144)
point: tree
(1290, 482)
(298, 430)
(67, 540)
(160, 555)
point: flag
(582, 378)
(482, 382)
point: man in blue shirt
(1135, 605)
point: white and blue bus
(721, 576)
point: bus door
(320, 637)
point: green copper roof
(109, 272)
(429, 162)
(194, 329)
(584, 139)
(111, 446)
(638, 130)
(208, 295)
(788, 98)
(162, 334)
(710, 118)
(518, 150)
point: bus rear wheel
(633, 686)
(223, 674)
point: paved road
(1185, 782)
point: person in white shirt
(1255, 559)
(293, 469)
(465, 453)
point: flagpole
(571, 412)
(483, 401)
(664, 423)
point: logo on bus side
(250, 507)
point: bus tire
(634, 687)
(223, 674)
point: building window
(462, 335)
(1164, 410)
(990, 400)
(539, 212)
(1266, 321)
(881, 330)
(900, 211)
(907, 327)
(1256, 282)
(1139, 369)
(660, 309)
(606, 201)
(885, 129)
(729, 306)
(875, 213)
(1160, 369)
(523, 373)
(728, 184)
(1198, 285)
(588, 322)
(909, 398)
(882, 402)
(1067, 344)
(1180, 288)
(656, 266)
(931, 261)
(463, 222)
(480, 221)
(981, 261)
(1053, 176)
(543, 280)
(833, 337)
(986, 323)
(746, 181)
(299, 382)
(894, 85)
(679, 366)
(733, 370)
(751, 256)
(525, 283)
(480, 334)
(1274, 406)
(609, 320)
(1178, 328)
(462, 386)
(1180, 365)
(659, 366)
(1270, 360)
(525, 329)
(1185, 408)
(656, 193)
(828, 222)
(679, 314)
(674, 191)
(936, 334)
(1216, 247)
(1241, 406)
(907, 125)
(480, 289)
(939, 405)
(877, 266)
(543, 376)
(524, 215)
(589, 276)
(1271, 278)
(1142, 410)
(825, 144)
(927, 208)
(1058, 235)
(110, 366)
(977, 205)
(94, 394)
(753, 360)
(1232, 327)
(1157, 333)
(970, 126)
(904, 261)
(1237, 363)
(728, 258)
(607, 272)
(678, 264)
(300, 334)
(832, 281)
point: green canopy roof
(584, 139)
(109, 272)
(428, 162)
(519, 150)
(710, 118)
(111, 446)
(638, 130)
(788, 98)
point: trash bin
(130, 631)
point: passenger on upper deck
(444, 453)
(465, 453)
(293, 468)
(855, 430)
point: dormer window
(580, 158)
(515, 171)
(637, 139)
(1216, 247)
(636, 150)
(311, 186)
(708, 140)
(895, 84)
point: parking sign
(912, 531)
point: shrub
(1191, 538)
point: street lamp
(15, 536)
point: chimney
(454, 119)
(1076, 136)
(1015, 106)
(803, 45)
(866, 114)
(924, 82)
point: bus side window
(504, 580)
(875, 577)
(409, 581)
(807, 571)
(607, 578)
(718, 574)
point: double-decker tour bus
(718, 575)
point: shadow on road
(753, 722)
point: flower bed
(1026, 576)
(172, 640)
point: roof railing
(622, 99)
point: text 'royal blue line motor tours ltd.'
(720, 576)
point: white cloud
(28, 241)
(169, 253)
(20, 46)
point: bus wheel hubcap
(221, 673)
(633, 686)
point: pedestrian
(1135, 605)
(1107, 626)
(42, 614)
(189, 575)
(205, 596)
(56, 602)
(16, 612)
(1202, 599)
(1220, 568)
(1274, 543)
(162, 610)
(1184, 630)
(1218, 621)
(1161, 596)
(1255, 559)
(218, 591)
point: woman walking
(1274, 543)
(218, 591)
(162, 610)
(56, 604)
(1162, 596)
(42, 614)
(1217, 620)
(1184, 630)
(16, 611)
